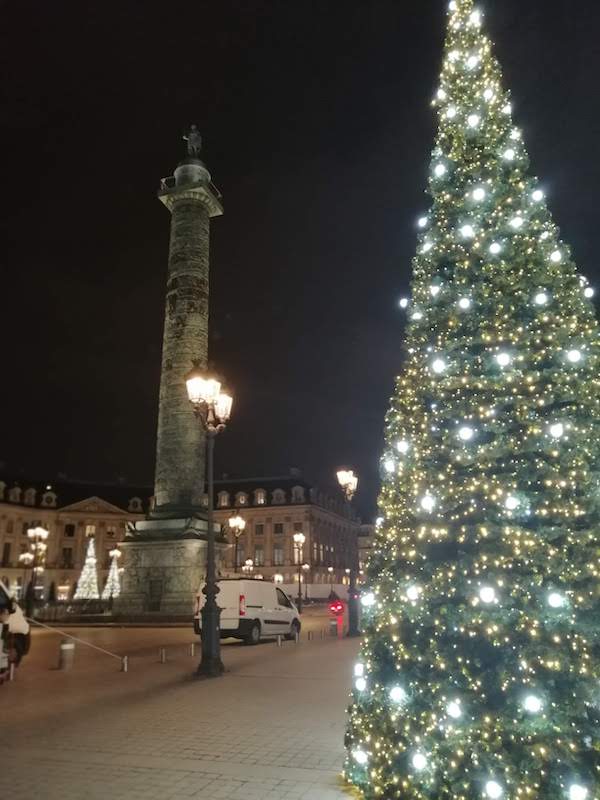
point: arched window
(29, 497)
(278, 497)
(260, 497)
(241, 499)
(135, 505)
(49, 499)
(298, 494)
(14, 494)
(223, 499)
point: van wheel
(294, 629)
(254, 635)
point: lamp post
(237, 525)
(299, 539)
(330, 571)
(26, 559)
(305, 568)
(348, 482)
(37, 544)
(248, 567)
(212, 407)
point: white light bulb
(422, 222)
(488, 94)
(517, 222)
(475, 18)
(413, 592)
(577, 792)
(379, 522)
(509, 154)
(403, 446)
(368, 599)
(503, 359)
(467, 231)
(466, 433)
(389, 465)
(532, 704)
(556, 600)
(419, 761)
(472, 61)
(473, 120)
(478, 194)
(487, 594)
(440, 169)
(438, 366)
(360, 684)
(441, 94)
(495, 248)
(515, 134)
(512, 502)
(556, 256)
(454, 710)
(537, 195)
(360, 757)
(574, 356)
(588, 292)
(507, 109)
(427, 246)
(454, 55)
(359, 670)
(557, 430)
(541, 298)
(493, 790)
(417, 315)
(404, 302)
(452, 5)
(464, 303)
(434, 290)
(428, 503)
(451, 112)
(397, 694)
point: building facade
(274, 509)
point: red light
(336, 607)
(242, 605)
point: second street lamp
(237, 524)
(348, 482)
(212, 407)
(299, 539)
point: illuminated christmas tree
(113, 584)
(87, 586)
(479, 671)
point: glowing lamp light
(397, 694)
(516, 223)
(515, 134)
(428, 503)
(488, 94)
(427, 246)
(417, 316)
(532, 704)
(403, 446)
(434, 290)
(556, 600)
(577, 792)
(507, 109)
(487, 594)
(440, 170)
(478, 194)
(557, 430)
(359, 670)
(541, 298)
(438, 366)
(556, 256)
(472, 61)
(473, 120)
(422, 222)
(419, 761)
(475, 18)
(454, 55)
(574, 356)
(509, 154)
(503, 359)
(537, 196)
(451, 112)
(464, 303)
(454, 710)
(493, 790)
(441, 94)
(467, 231)
(512, 502)
(360, 757)
(466, 433)
(389, 465)
(404, 302)
(368, 600)
(495, 248)
(360, 684)
(589, 292)
(413, 592)
(452, 5)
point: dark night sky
(317, 130)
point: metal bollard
(192, 648)
(322, 632)
(310, 636)
(333, 627)
(11, 671)
(124, 664)
(296, 637)
(279, 639)
(66, 655)
(162, 655)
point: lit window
(260, 497)
(223, 499)
(90, 530)
(241, 499)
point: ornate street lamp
(305, 568)
(212, 407)
(348, 482)
(248, 566)
(237, 524)
(277, 578)
(37, 544)
(299, 539)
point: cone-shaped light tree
(112, 587)
(87, 585)
(479, 670)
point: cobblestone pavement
(271, 728)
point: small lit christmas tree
(87, 586)
(478, 677)
(113, 584)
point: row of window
(69, 528)
(260, 496)
(322, 555)
(49, 498)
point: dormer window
(241, 499)
(223, 499)
(278, 497)
(29, 497)
(14, 494)
(298, 494)
(49, 500)
(260, 497)
(135, 505)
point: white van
(18, 636)
(252, 609)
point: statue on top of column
(194, 141)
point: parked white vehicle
(16, 636)
(252, 609)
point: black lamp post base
(210, 668)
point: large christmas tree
(479, 671)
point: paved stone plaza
(271, 728)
